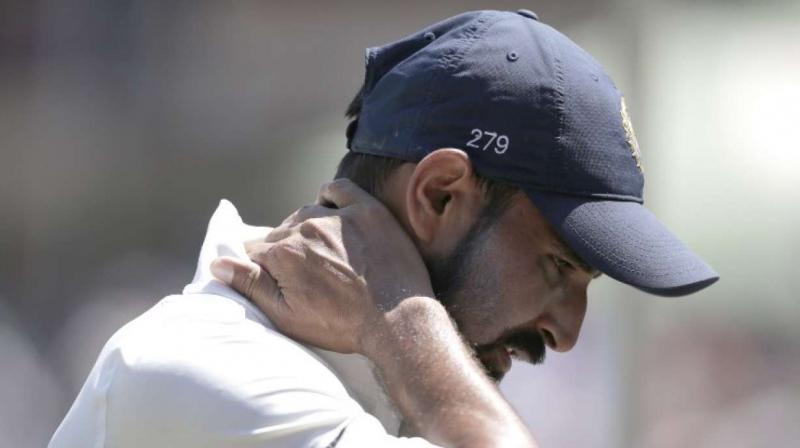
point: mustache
(526, 345)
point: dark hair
(370, 171)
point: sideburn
(453, 276)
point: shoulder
(203, 373)
(196, 369)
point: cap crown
(527, 104)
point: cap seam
(369, 73)
(383, 151)
(469, 40)
(560, 102)
(587, 194)
(448, 63)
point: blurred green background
(123, 123)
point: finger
(278, 233)
(256, 245)
(307, 212)
(289, 226)
(342, 193)
(250, 280)
(259, 252)
(310, 211)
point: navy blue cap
(532, 109)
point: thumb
(341, 193)
(250, 280)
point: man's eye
(561, 263)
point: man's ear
(442, 197)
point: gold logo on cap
(630, 135)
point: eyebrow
(576, 259)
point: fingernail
(222, 271)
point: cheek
(528, 290)
(524, 289)
(505, 285)
(488, 301)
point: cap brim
(627, 242)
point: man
(507, 177)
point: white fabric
(206, 369)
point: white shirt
(207, 369)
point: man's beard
(467, 284)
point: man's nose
(560, 325)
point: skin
(389, 279)
(516, 281)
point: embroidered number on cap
(485, 139)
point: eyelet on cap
(512, 56)
(429, 36)
(528, 13)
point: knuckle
(259, 253)
(341, 182)
(279, 251)
(285, 251)
(251, 283)
(289, 220)
(338, 187)
(311, 227)
(279, 232)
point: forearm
(436, 382)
